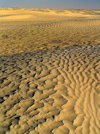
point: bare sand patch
(16, 17)
(28, 30)
(49, 71)
(51, 92)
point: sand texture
(49, 71)
(51, 92)
(28, 30)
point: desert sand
(49, 71)
(28, 30)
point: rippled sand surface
(28, 30)
(51, 92)
(49, 71)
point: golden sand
(28, 30)
(49, 71)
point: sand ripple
(51, 92)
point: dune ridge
(51, 92)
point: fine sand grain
(51, 92)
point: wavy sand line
(51, 92)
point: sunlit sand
(49, 71)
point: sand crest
(51, 92)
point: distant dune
(49, 71)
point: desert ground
(49, 71)
(28, 30)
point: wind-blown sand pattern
(28, 30)
(49, 71)
(51, 92)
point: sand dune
(49, 71)
(28, 30)
(51, 92)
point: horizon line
(50, 8)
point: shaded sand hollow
(51, 92)
(49, 71)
